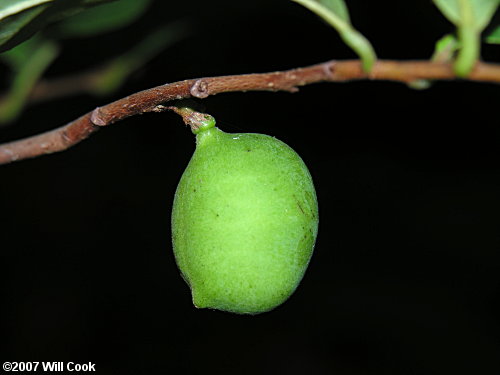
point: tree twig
(151, 100)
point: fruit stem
(197, 121)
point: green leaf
(494, 36)
(482, 11)
(104, 18)
(338, 7)
(470, 17)
(12, 26)
(11, 7)
(27, 72)
(19, 55)
(335, 13)
(445, 49)
(450, 9)
(20, 19)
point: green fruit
(244, 221)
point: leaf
(494, 36)
(20, 19)
(470, 17)
(482, 11)
(338, 7)
(11, 7)
(335, 13)
(12, 26)
(104, 18)
(17, 56)
(450, 9)
(445, 49)
(27, 72)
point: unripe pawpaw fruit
(244, 221)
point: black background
(405, 276)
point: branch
(151, 100)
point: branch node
(96, 117)
(329, 69)
(200, 89)
(66, 138)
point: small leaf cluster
(470, 18)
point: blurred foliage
(470, 18)
(20, 19)
(116, 71)
(29, 60)
(104, 18)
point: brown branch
(150, 100)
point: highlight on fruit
(244, 219)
